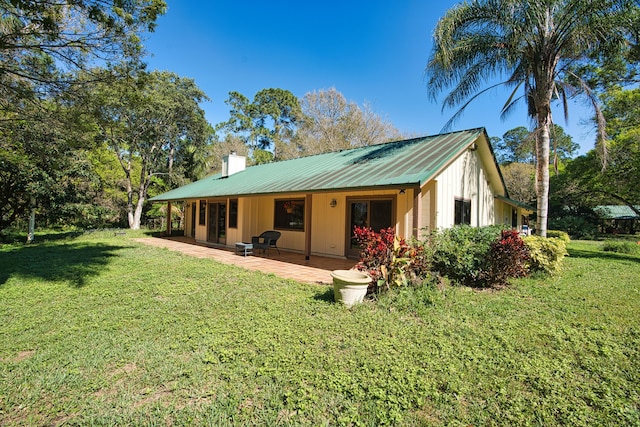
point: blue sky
(373, 51)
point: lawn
(100, 330)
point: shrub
(557, 234)
(459, 252)
(506, 259)
(375, 250)
(579, 224)
(546, 254)
(622, 247)
(389, 260)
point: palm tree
(533, 48)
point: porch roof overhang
(402, 164)
(516, 203)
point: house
(412, 185)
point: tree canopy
(43, 41)
(583, 184)
(44, 139)
(518, 146)
(266, 122)
(149, 122)
(278, 126)
(331, 123)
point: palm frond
(462, 108)
(600, 120)
(537, 41)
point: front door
(217, 224)
(374, 213)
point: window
(462, 214)
(289, 214)
(233, 213)
(203, 212)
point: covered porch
(288, 265)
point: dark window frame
(352, 248)
(462, 211)
(289, 214)
(202, 218)
(233, 213)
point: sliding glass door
(374, 213)
(217, 225)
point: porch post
(168, 218)
(417, 213)
(307, 224)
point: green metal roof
(410, 162)
(616, 212)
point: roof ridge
(398, 141)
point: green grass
(99, 330)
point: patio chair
(266, 240)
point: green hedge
(623, 247)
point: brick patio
(288, 265)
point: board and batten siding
(329, 224)
(465, 179)
(503, 213)
(427, 211)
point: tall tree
(193, 161)
(534, 44)
(518, 146)
(584, 184)
(146, 120)
(331, 123)
(43, 43)
(267, 122)
(622, 110)
(42, 160)
(520, 181)
(277, 113)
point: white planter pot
(349, 286)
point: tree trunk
(31, 237)
(172, 151)
(126, 167)
(142, 195)
(542, 173)
(130, 216)
(137, 215)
